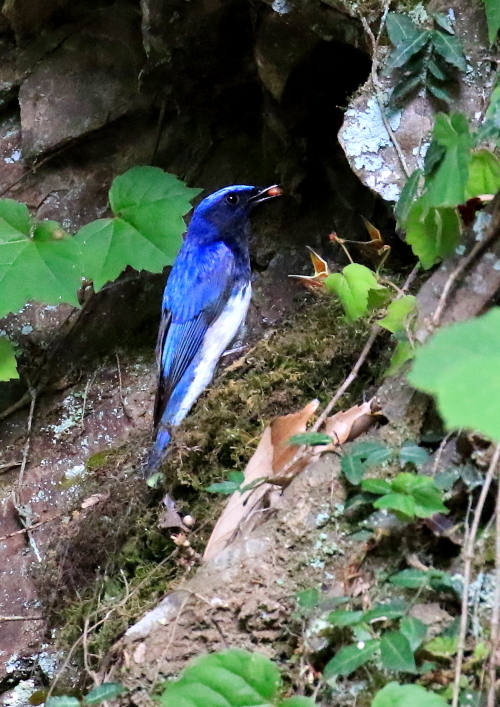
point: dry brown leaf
(350, 424)
(321, 272)
(94, 500)
(271, 456)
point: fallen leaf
(349, 424)
(170, 518)
(94, 500)
(321, 272)
(282, 428)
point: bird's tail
(158, 452)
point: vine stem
(469, 557)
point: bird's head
(229, 208)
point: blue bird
(205, 301)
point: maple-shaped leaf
(358, 290)
(321, 271)
(146, 232)
(37, 261)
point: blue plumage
(205, 302)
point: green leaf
(378, 486)
(378, 456)
(356, 501)
(446, 184)
(405, 86)
(397, 502)
(493, 110)
(414, 630)
(8, 362)
(396, 653)
(396, 695)
(105, 691)
(297, 701)
(460, 365)
(232, 484)
(406, 49)
(411, 579)
(442, 646)
(436, 70)
(36, 263)
(310, 439)
(439, 91)
(62, 701)
(353, 287)
(344, 618)
(352, 468)
(349, 658)
(433, 233)
(492, 18)
(403, 352)
(308, 598)
(365, 448)
(408, 196)
(444, 22)
(484, 174)
(450, 49)
(146, 234)
(400, 27)
(387, 612)
(411, 453)
(231, 678)
(397, 314)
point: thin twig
(469, 557)
(495, 614)
(455, 274)
(85, 394)
(126, 411)
(22, 618)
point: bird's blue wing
(196, 292)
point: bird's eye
(232, 198)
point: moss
(108, 556)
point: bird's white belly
(217, 339)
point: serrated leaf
(233, 678)
(310, 439)
(146, 233)
(433, 233)
(387, 612)
(408, 195)
(103, 692)
(308, 598)
(492, 18)
(445, 186)
(353, 287)
(396, 653)
(403, 352)
(411, 579)
(400, 27)
(442, 646)
(397, 314)
(349, 658)
(397, 502)
(396, 695)
(406, 49)
(62, 701)
(461, 366)
(410, 452)
(35, 266)
(450, 49)
(8, 361)
(378, 486)
(352, 468)
(344, 617)
(414, 630)
(484, 174)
